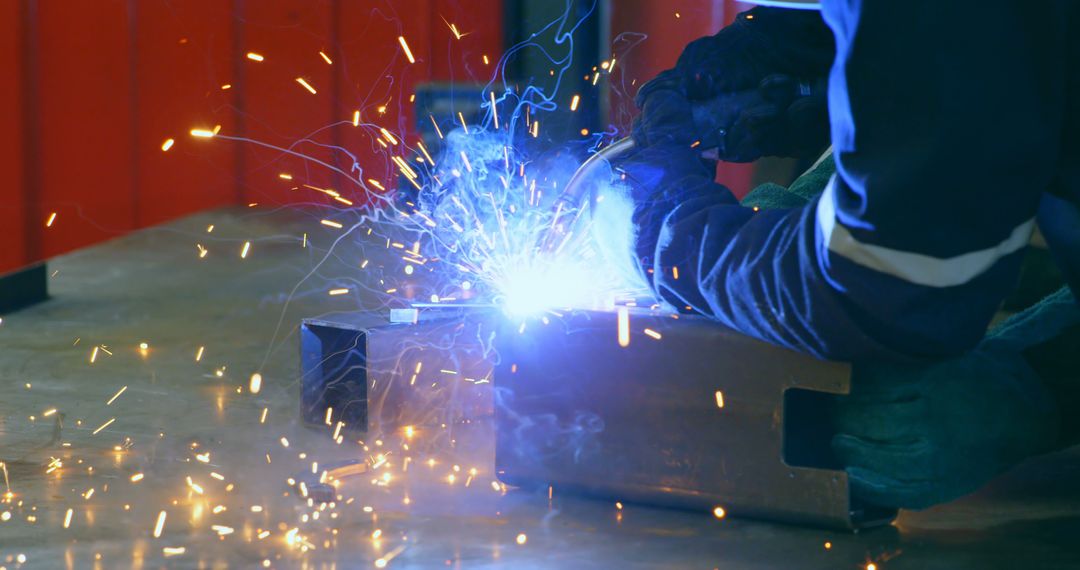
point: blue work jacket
(956, 129)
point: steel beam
(699, 418)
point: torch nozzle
(579, 191)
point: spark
(574, 102)
(202, 133)
(623, 324)
(376, 184)
(137, 477)
(719, 512)
(331, 224)
(425, 150)
(160, 525)
(334, 292)
(405, 47)
(116, 395)
(48, 412)
(675, 273)
(194, 486)
(306, 85)
(438, 131)
(244, 251)
(719, 399)
(256, 383)
(454, 30)
(103, 426)
(495, 110)
(356, 118)
(199, 353)
(254, 56)
(7, 483)
(652, 333)
(389, 137)
(522, 539)
(52, 218)
(67, 518)
(326, 58)
(165, 146)
(173, 551)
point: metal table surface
(238, 510)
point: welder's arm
(918, 237)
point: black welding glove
(911, 436)
(759, 43)
(666, 116)
(790, 119)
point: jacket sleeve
(944, 141)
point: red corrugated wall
(13, 215)
(93, 88)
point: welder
(955, 129)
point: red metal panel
(277, 109)
(12, 198)
(183, 58)
(109, 81)
(84, 100)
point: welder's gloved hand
(790, 119)
(758, 43)
(665, 115)
(911, 436)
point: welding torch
(712, 119)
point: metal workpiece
(381, 377)
(687, 414)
